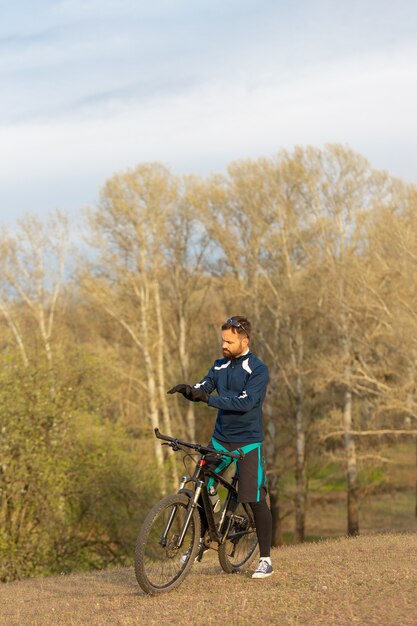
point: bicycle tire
(160, 568)
(241, 545)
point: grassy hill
(366, 580)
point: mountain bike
(169, 541)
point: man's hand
(182, 388)
(198, 395)
(191, 393)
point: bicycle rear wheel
(158, 563)
(240, 547)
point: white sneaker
(263, 570)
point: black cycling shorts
(251, 469)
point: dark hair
(239, 325)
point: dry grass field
(369, 580)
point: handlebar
(177, 443)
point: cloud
(338, 102)
(97, 92)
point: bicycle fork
(190, 509)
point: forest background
(314, 246)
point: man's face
(233, 344)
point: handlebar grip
(158, 435)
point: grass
(329, 580)
(367, 580)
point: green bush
(73, 485)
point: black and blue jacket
(241, 387)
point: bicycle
(169, 539)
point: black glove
(191, 393)
(198, 395)
(182, 388)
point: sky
(91, 88)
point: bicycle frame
(218, 532)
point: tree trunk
(16, 334)
(161, 380)
(184, 361)
(273, 477)
(152, 388)
(410, 404)
(297, 353)
(352, 472)
(300, 473)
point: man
(240, 379)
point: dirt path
(364, 581)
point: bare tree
(33, 265)
(130, 226)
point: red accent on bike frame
(202, 462)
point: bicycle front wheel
(159, 564)
(240, 547)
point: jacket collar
(242, 357)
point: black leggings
(263, 523)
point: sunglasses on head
(236, 324)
